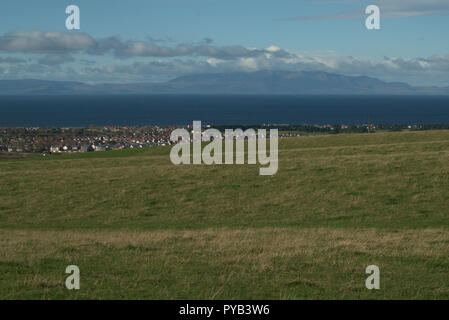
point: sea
(134, 110)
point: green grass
(140, 227)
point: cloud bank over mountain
(81, 57)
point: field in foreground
(140, 227)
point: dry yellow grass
(275, 262)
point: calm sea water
(80, 111)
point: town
(67, 140)
(53, 140)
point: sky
(158, 40)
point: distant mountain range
(260, 82)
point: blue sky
(152, 40)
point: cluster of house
(99, 146)
(106, 143)
(66, 140)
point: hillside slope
(140, 227)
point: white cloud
(48, 42)
(413, 8)
(390, 9)
(249, 64)
(273, 49)
(214, 62)
(66, 43)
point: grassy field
(140, 227)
